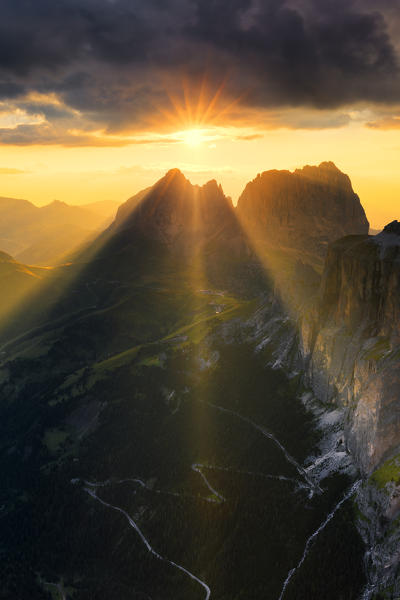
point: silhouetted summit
(174, 209)
(306, 209)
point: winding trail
(197, 468)
(93, 494)
(217, 497)
(312, 485)
(255, 474)
(91, 489)
(316, 533)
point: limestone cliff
(350, 343)
(306, 209)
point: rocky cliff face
(306, 209)
(350, 342)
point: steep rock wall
(351, 342)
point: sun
(196, 114)
(193, 137)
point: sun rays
(197, 114)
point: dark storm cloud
(114, 60)
(316, 53)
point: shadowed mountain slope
(17, 281)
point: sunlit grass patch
(388, 472)
(151, 361)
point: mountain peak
(328, 164)
(304, 209)
(174, 176)
(326, 173)
(212, 185)
(56, 204)
(174, 172)
(175, 209)
(393, 228)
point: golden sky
(83, 174)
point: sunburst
(197, 113)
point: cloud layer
(118, 66)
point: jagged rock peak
(174, 207)
(393, 228)
(212, 185)
(174, 172)
(174, 175)
(175, 180)
(326, 173)
(304, 209)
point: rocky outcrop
(351, 342)
(306, 209)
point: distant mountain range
(44, 235)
